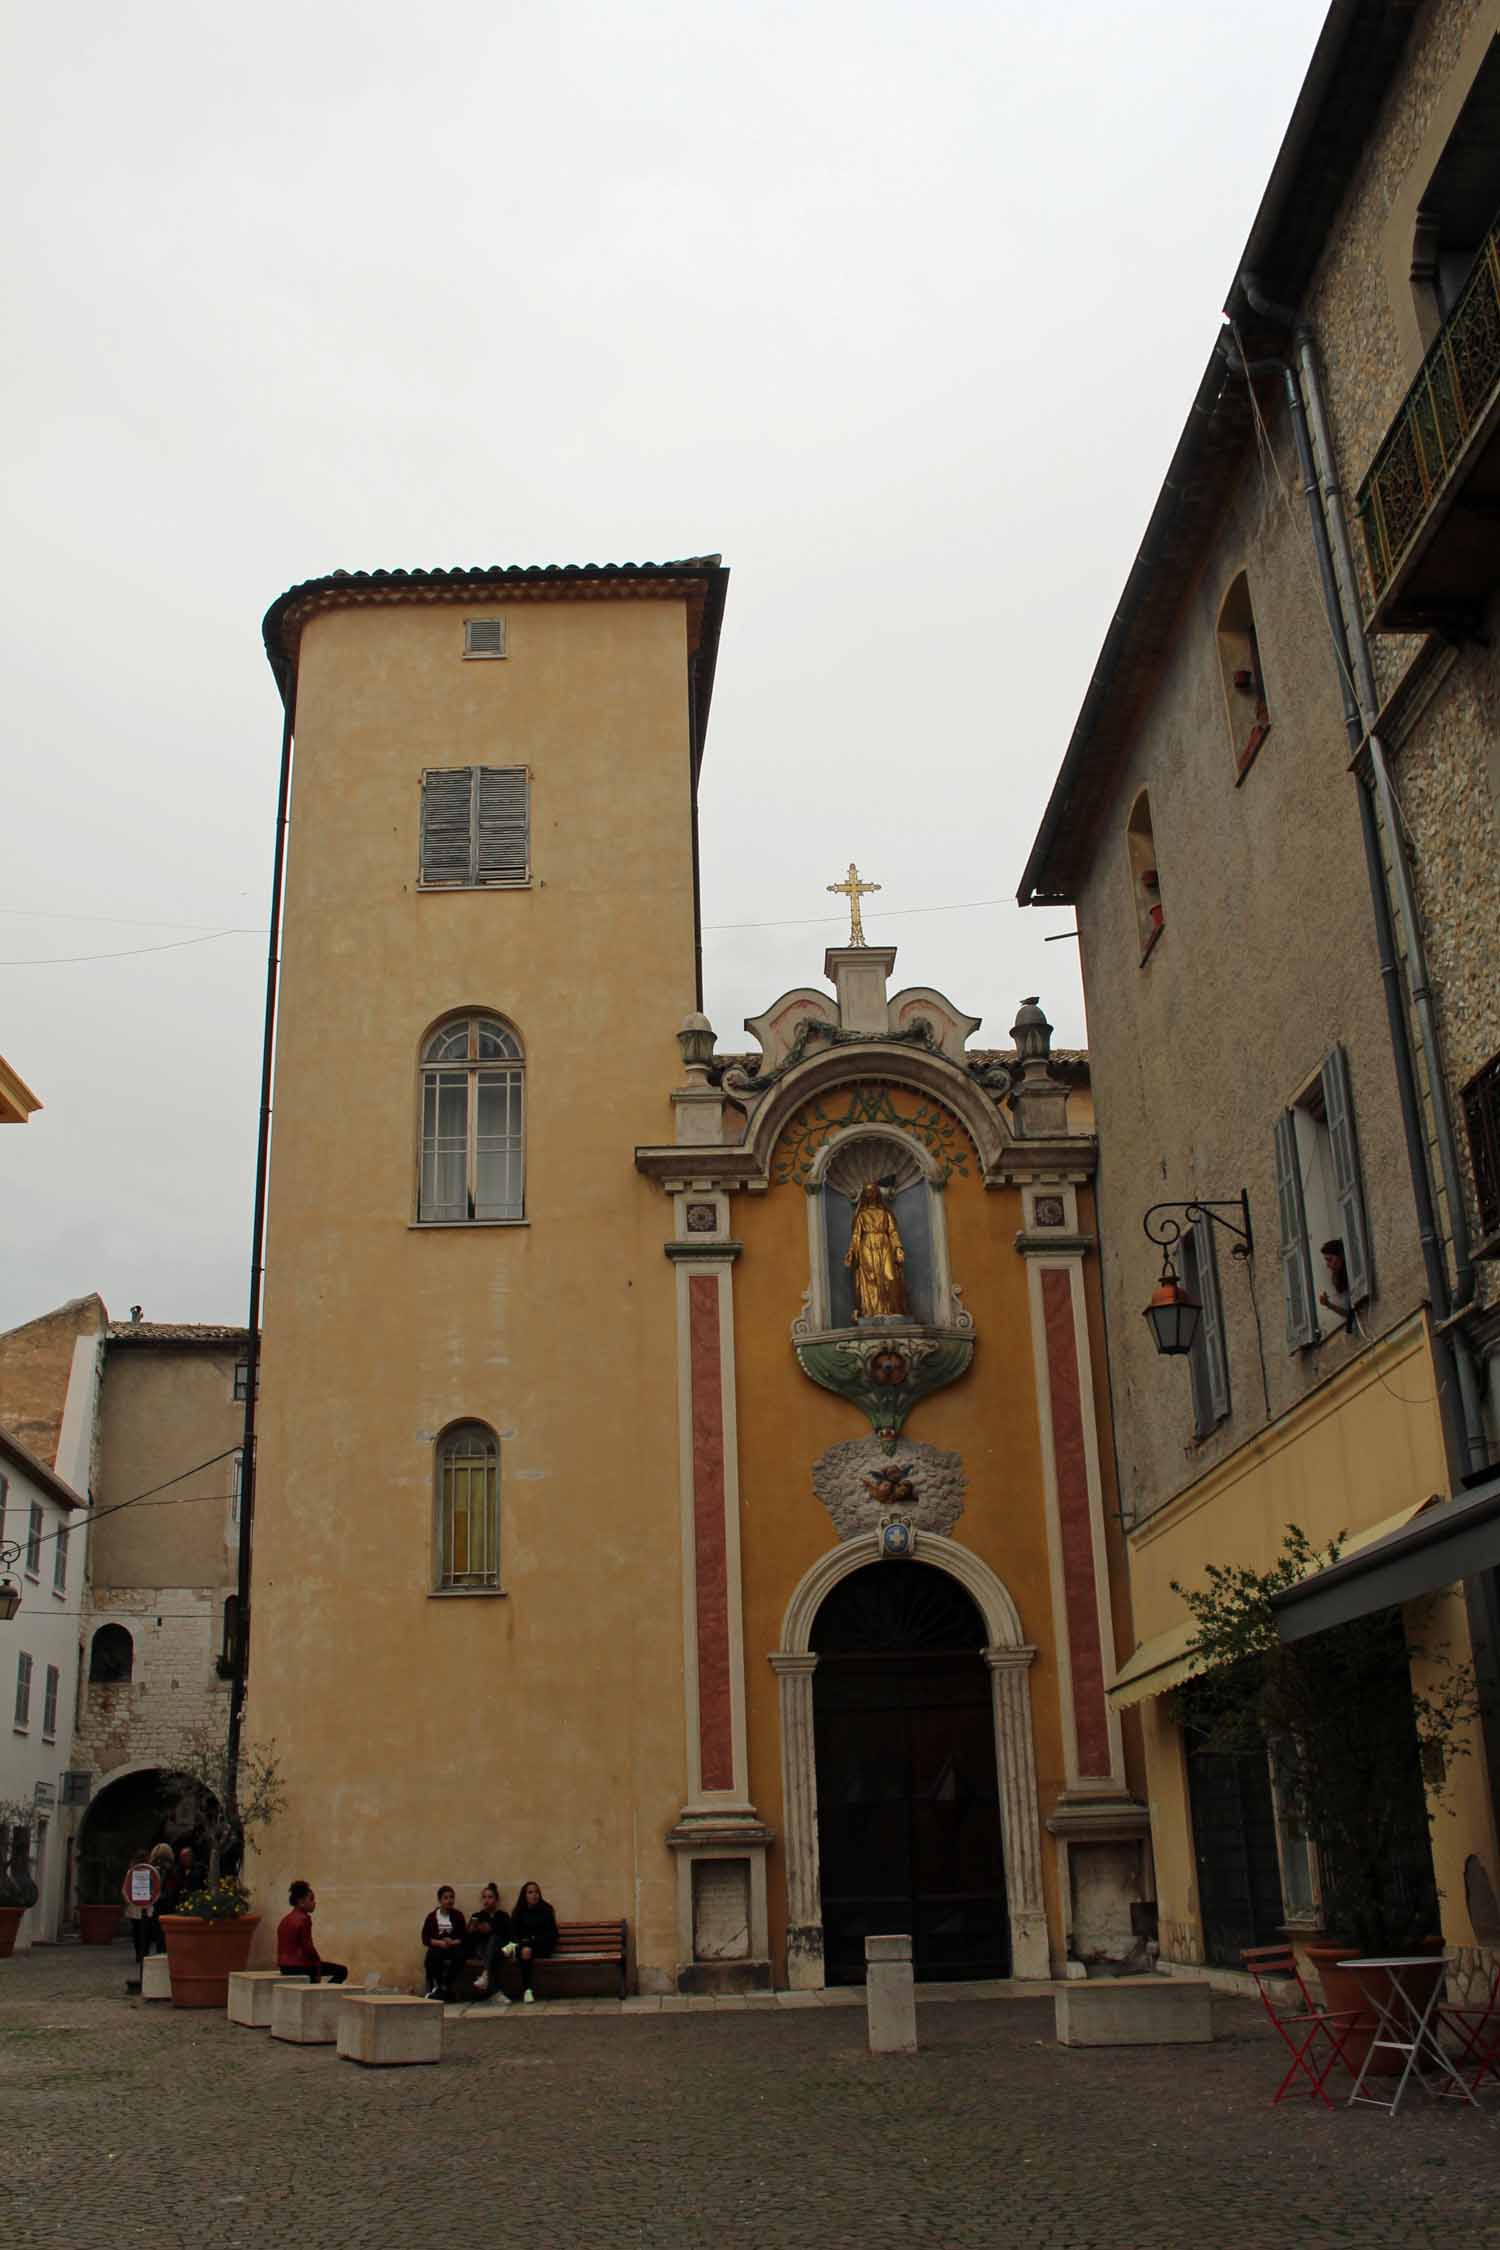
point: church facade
(683, 1478)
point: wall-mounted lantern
(10, 1592)
(1174, 1313)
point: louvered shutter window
(1296, 1264)
(503, 824)
(447, 825)
(1211, 1326)
(1353, 1230)
(23, 1690)
(476, 825)
(484, 636)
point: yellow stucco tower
(681, 1478)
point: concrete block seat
(386, 2029)
(579, 1945)
(1135, 2012)
(249, 2001)
(306, 2015)
(156, 1977)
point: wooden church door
(908, 1799)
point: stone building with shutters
(145, 1418)
(1278, 818)
(603, 1533)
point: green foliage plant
(228, 1814)
(17, 1884)
(1351, 1739)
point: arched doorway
(909, 1821)
(146, 1806)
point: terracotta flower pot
(99, 1925)
(203, 1956)
(1342, 1988)
(10, 1922)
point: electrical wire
(886, 914)
(126, 953)
(139, 1499)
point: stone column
(799, 1787)
(1020, 1818)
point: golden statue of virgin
(875, 1257)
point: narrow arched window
(473, 1144)
(1145, 882)
(111, 1656)
(468, 1509)
(1240, 670)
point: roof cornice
(701, 581)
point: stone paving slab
(768, 2128)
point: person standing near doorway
(141, 1891)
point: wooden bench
(579, 1945)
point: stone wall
(36, 1362)
(175, 1690)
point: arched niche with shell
(910, 1178)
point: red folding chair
(1477, 2031)
(1277, 1964)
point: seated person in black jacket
(533, 1934)
(443, 1938)
(489, 1927)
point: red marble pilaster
(1075, 1527)
(715, 1729)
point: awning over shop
(1158, 1664)
(1446, 1541)
(1169, 1658)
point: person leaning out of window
(296, 1954)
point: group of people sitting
(505, 1945)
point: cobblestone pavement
(131, 2125)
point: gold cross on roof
(853, 890)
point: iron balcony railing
(1457, 381)
(1482, 1116)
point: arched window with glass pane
(473, 1143)
(468, 1509)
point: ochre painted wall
(161, 1411)
(427, 1739)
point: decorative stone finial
(1031, 1032)
(696, 1039)
(1039, 1104)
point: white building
(42, 1519)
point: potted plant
(210, 1929)
(17, 1885)
(1352, 1743)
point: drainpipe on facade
(241, 1650)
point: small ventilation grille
(484, 636)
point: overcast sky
(900, 306)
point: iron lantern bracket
(1167, 1231)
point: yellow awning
(1169, 1658)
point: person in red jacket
(296, 1955)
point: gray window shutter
(1296, 1262)
(1353, 1230)
(503, 829)
(1211, 1326)
(447, 825)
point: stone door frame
(1007, 1654)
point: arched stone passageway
(144, 1806)
(992, 1626)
